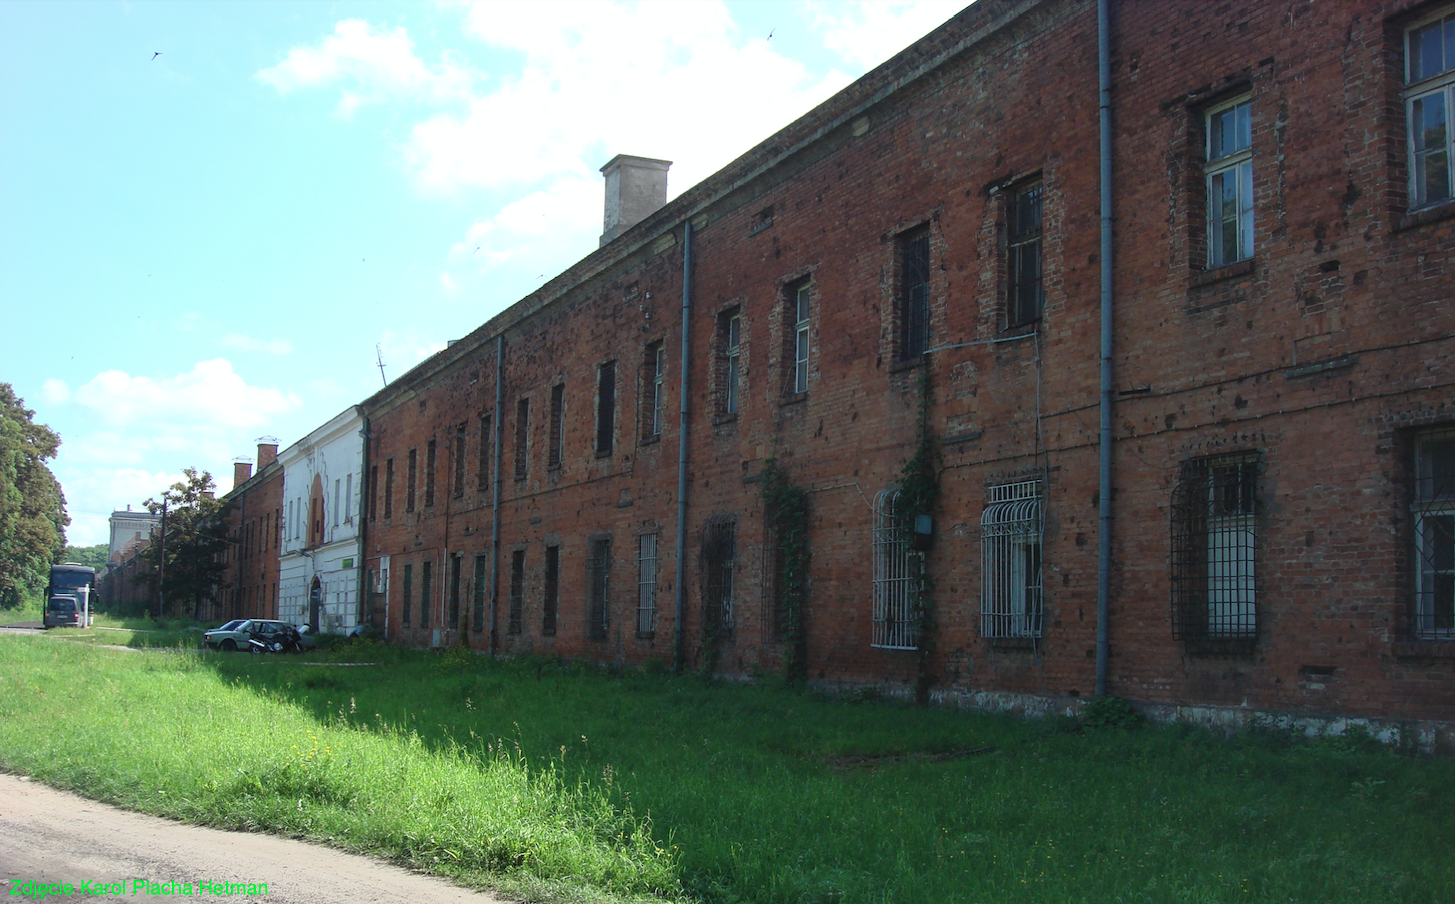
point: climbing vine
(919, 494)
(785, 509)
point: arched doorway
(315, 604)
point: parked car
(62, 612)
(235, 634)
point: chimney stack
(267, 454)
(241, 471)
(635, 188)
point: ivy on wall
(785, 509)
(919, 494)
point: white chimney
(635, 188)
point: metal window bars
(1214, 549)
(1011, 528)
(646, 583)
(1434, 529)
(598, 569)
(896, 579)
(517, 594)
(719, 549)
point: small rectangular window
(430, 459)
(646, 584)
(1230, 183)
(598, 571)
(457, 464)
(426, 597)
(457, 562)
(731, 331)
(551, 603)
(408, 592)
(1025, 295)
(517, 591)
(349, 497)
(719, 552)
(558, 426)
(1011, 527)
(1214, 549)
(798, 299)
(337, 493)
(411, 479)
(914, 293)
(522, 438)
(1434, 535)
(481, 590)
(389, 488)
(896, 579)
(482, 465)
(656, 385)
(605, 407)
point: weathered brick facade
(249, 587)
(1306, 371)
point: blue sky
(205, 247)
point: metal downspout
(364, 604)
(679, 659)
(1103, 551)
(496, 427)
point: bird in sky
(159, 53)
(770, 33)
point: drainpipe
(496, 427)
(682, 443)
(364, 604)
(1103, 543)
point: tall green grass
(657, 784)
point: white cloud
(209, 395)
(868, 32)
(567, 214)
(377, 64)
(54, 391)
(248, 343)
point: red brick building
(925, 249)
(249, 587)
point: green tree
(195, 539)
(33, 515)
(95, 556)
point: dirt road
(50, 836)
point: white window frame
(646, 583)
(1423, 90)
(896, 580)
(1012, 526)
(1434, 540)
(659, 385)
(732, 354)
(800, 336)
(1224, 163)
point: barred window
(457, 562)
(408, 594)
(1214, 549)
(646, 583)
(517, 594)
(1011, 527)
(719, 550)
(1434, 523)
(896, 579)
(598, 572)
(426, 592)
(481, 590)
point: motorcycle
(289, 641)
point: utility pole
(379, 356)
(162, 562)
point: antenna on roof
(379, 355)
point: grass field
(570, 783)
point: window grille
(481, 591)
(551, 604)
(719, 549)
(646, 583)
(426, 597)
(1230, 183)
(1024, 288)
(896, 579)
(408, 594)
(1214, 549)
(1011, 527)
(914, 294)
(598, 570)
(456, 566)
(1434, 524)
(517, 594)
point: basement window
(1011, 528)
(1434, 528)
(719, 552)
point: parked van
(62, 612)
